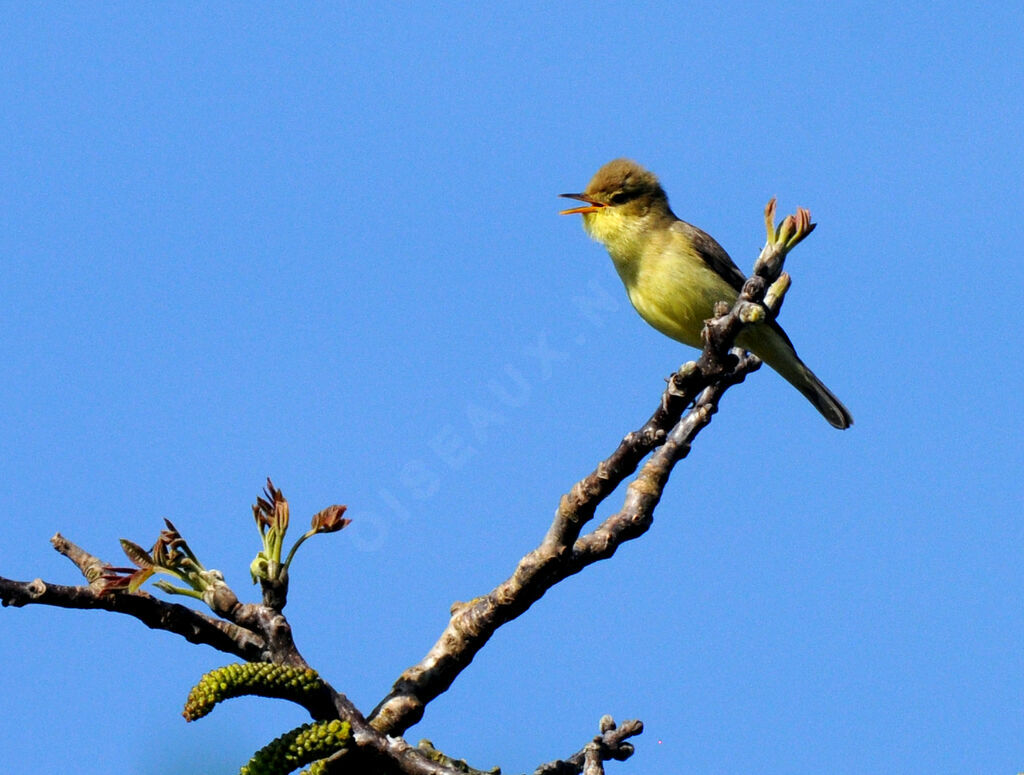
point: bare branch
(92, 567)
(610, 744)
(377, 752)
(562, 552)
(644, 492)
(154, 613)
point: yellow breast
(672, 288)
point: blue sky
(313, 243)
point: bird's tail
(824, 400)
(771, 344)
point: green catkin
(264, 679)
(300, 747)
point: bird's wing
(713, 253)
(716, 257)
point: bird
(674, 273)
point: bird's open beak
(592, 205)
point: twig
(610, 744)
(91, 566)
(156, 614)
(256, 633)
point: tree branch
(384, 754)
(610, 744)
(156, 614)
(260, 632)
(563, 552)
(256, 633)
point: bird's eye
(619, 197)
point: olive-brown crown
(621, 181)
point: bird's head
(620, 198)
